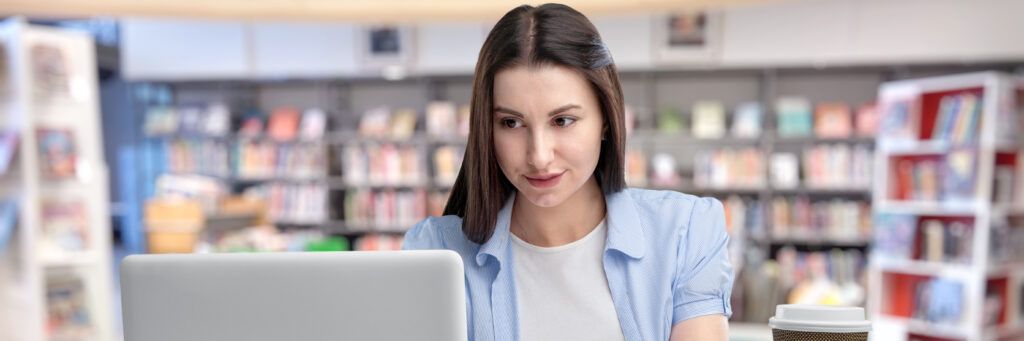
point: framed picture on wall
(687, 37)
(384, 46)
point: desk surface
(740, 331)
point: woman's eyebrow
(552, 113)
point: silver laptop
(398, 295)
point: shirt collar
(497, 245)
(625, 233)
(625, 229)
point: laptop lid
(398, 295)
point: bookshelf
(947, 205)
(649, 95)
(56, 271)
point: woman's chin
(546, 199)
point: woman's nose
(540, 151)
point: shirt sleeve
(704, 276)
(423, 236)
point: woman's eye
(564, 121)
(510, 123)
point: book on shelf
(837, 166)
(190, 119)
(946, 241)
(8, 220)
(283, 124)
(51, 72)
(8, 148)
(794, 116)
(747, 120)
(403, 124)
(313, 125)
(629, 116)
(958, 118)
(784, 170)
(898, 120)
(1018, 182)
(730, 168)
(833, 120)
(293, 203)
(708, 120)
(636, 167)
(1013, 119)
(1020, 301)
(743, 218)
(375, 122)
(160, 120)
(1003, 186)
(67, 308)
(939, 300)
(1006, 237)
(663, 171)
(447, 163)
(206, 191)
(441, 118)
(867, 120)
(207, 157)
(894, 236)
(950, 178)
(218, 120)
(392, 164)
(837, 220)
(57, 152)
(354, 164)
(257, 159)
(960, 175)
(436, 201)
(670, 121)
(463, 119)
(252, 123)
(65, 225)
(5, 74)
(374, 210)
(994, 307)
(926, 181)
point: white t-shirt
(562, 291)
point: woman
(554, 247)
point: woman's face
(547, 131)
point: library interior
(866, 153)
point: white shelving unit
(894, 282)
(31, 267)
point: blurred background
(866, 151)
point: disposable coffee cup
(797, 322)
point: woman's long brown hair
(551, 34)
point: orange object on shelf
(173, 226)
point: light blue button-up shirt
(666, 260)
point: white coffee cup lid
(818, 318)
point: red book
(832, 120)
(284, 124)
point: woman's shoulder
(444, 232)
(669, 211)
(660, 201)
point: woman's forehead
(532, 88)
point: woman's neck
(562, 224)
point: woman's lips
(544, 181)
